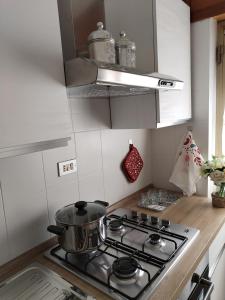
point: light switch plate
(67, 167)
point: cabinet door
(172, 34)
(135, 17)
(218, 280)
(33, 100)
(161, 31)
(217, 265)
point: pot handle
(104, 203)
(58, 230)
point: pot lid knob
(80, 205)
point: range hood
(90, 78)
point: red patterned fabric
(132, 164)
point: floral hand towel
(187, 170)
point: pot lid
(99, 34)
(124, 42)
(81, 212)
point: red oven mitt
(132, 164)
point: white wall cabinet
(33, 100)
(161, 31)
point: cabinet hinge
(219, 54)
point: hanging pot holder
(132, 164)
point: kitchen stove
(135, 257)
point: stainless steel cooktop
(139, 251)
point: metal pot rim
(80, 225)
(69, 214)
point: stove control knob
(144, 217)
(166, 223)
(134, 214)
(154, 220)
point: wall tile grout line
(78, 178)
(46, 190)
(103, 174)
(6, 226)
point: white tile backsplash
(165, 144)
(89, 156)
(52, 157)
(61, 195)
(24, 196)
(91, 187)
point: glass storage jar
(125, 51)
(101, 45)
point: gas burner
(116, 225)
(156, 240)
(125, 267)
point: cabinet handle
(197, 291)
(214, 266)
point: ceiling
(202, 9)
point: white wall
(165, 141)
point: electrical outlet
(67, 167)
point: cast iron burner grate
(129, 256)
(127, 265)
(167, 235)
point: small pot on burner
(81, 226)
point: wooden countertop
(192, 211)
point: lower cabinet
(217, 265)
(218, 278)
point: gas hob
(139, 251)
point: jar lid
(81, 212)
(124, 42)
(99, 34)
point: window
(220, 104)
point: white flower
(217, 176)
(211, 164)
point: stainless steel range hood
(90, 78)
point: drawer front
(216, 246)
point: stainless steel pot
(81, 227)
